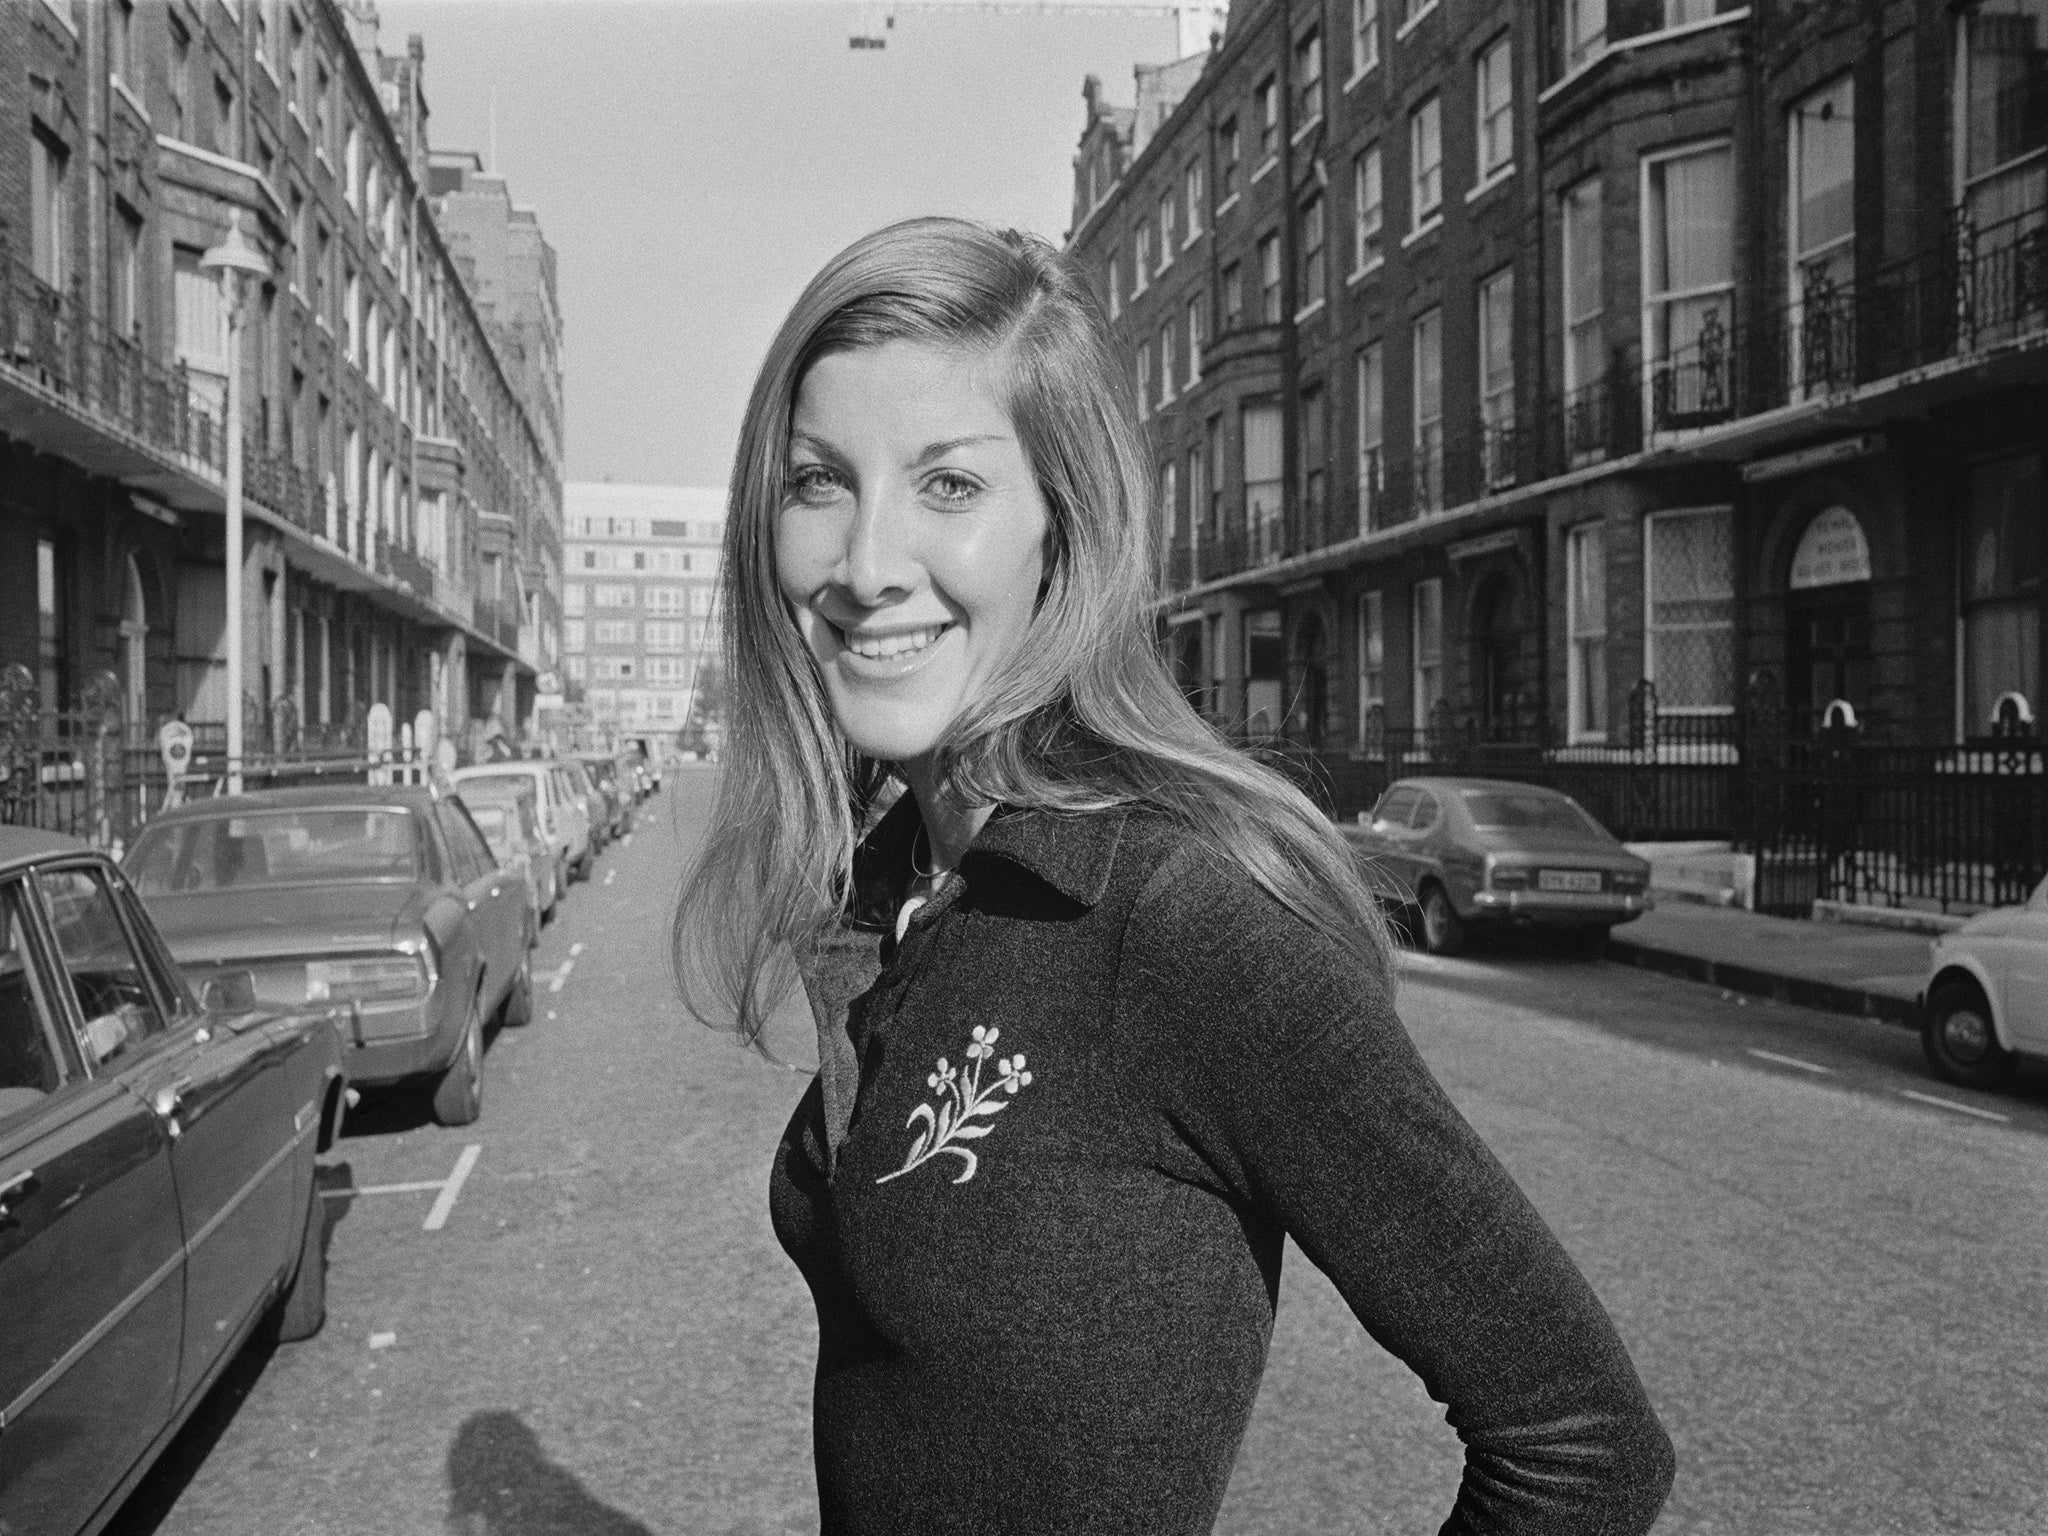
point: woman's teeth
(885, 646)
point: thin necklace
(917, 869)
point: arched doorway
(1312, 703)
(1496, 639)
(135, 654)
(1827, 619)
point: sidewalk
(1841, 967)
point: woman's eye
(953, 489)
(810, 483)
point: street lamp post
(235, 259)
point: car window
(111, 983)
(499, 822)
(1528, 810)
(472, 853)
(256, 848)
(1395, 806)
(32, 1057)
(1425, 811)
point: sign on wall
(1831, 553)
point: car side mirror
(230, 992)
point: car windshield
(495, 821)
(328, 844)
(1494, 810)
(499, 783)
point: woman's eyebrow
(817, 445)
(940, 450)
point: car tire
(1957, 1036)
(303, 1307)
(459, 1092)
(516, 1012)
(1442, 930)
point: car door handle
(166, 1101)
(15, 1190)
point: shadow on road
(391, 1109)
(501, 1483)
(165, 1483)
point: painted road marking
(610, 875)
(575, 949)
(563, 974)
(437, 1218)
(382, 1189)
(1791, 1061)
(626, 841)
(1961, 1109)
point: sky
(694, 162)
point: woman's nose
(879, 564)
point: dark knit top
(1040, 1188)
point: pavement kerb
(1801, 991)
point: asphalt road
(1835, 1290)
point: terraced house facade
(1593, 376)
(403, 488)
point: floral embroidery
(963, 1105)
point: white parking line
(382, 1189)
(575, 949)
(610, 875)
(562, 975)
(1792, 1061)
(437, 1218)
(626, 841)
(1961, 1109)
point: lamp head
(236, 254)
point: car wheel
(1443, 931)
(303, 1307)
(459, 1095)
(516, 1011)
(1957, 1035)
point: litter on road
(383, 1340)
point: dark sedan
(615, 788)
(157, 1199)
(382, 902)
(1466, 853)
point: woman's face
(911, 539)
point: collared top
(1041, 1187)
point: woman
(1105, 1011)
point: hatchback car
(510, 823)
(157, 1200)
(560, 805)
(1986, 1002)
(382, 901)
(1467, 853)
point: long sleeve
(1276, 1063)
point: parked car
(564, 817)
(649, 756)
(603, 769)
(596, 804)
(1466, 853)
(1986, 1001)
(158, 1206)
(383, 901)
(511, 829)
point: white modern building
(639, 587)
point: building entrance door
(1827, 651)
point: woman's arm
(1280, 1060)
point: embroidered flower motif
(963, 1108)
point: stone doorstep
(1898, 919)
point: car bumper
(1565, 907)
(385, 1043)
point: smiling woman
(1104, 1009)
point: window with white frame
(1233, 295)
(1688, 278)
(201, 318)
(121, 56)
(1198, 494)
(1315, 474)
(1116, 287)
(1269, 279)
(1494, 91)
(1231, 150)
(1264, 486)
(1689, 601)
(1372, 433)
(1313, 264)
(1372, 664)
(613, 632)
(1368, 210)
(1166, 223)
(2000, 88)
(1426, 619)
(49, 208)
(1269, 118)
(1497, 377)
(2001, 588)
(1365, 36)
(1192, 187)
(1308, 76)
(1425, 162)
(1427, 352)
(1169, 505)
(1585, 345)
(1585, 32)
(1586, 631)
(1411, 10)
(1195, 340)
(1212, 445)
(1166, 362)
(1144, 259)
(1820, 146)
(1144, 380)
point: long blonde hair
(1081, 717)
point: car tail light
(368, 979)
(1505, 878)
(1628, 879)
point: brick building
(402, 496)
(1502, 358)
(639, 597)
